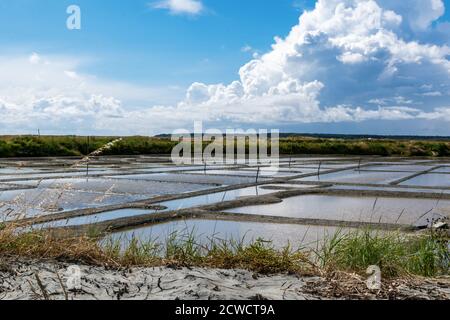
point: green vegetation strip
(49, 146)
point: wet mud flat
(37, 280)
(150, 196)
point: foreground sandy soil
(48, 280)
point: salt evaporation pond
(54, 175)
(203, 178)
(398, 168)
(16, 170)
(215, 198)
(245, 173)
(355, 176)
(124, 186)
(366, 209)
(95, 218)
(442, 170)
(392, 189)
(429, 180)
(280, 235)
(19, 204)
(179, 168)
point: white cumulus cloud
(341, 55)
(345, 61)
(192, 7)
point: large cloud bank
(345, 61)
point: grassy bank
(396, 254)
(382, 147)
(54, 146)
(33, 146)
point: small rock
(440, 225)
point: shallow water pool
(215, 198)
(19, 204)
(206, 230)
(429, 180)
(367, 209)
(99, 217)
(190, 178)
(354, 176)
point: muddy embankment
(56, 281)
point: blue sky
(135, 43)
(146, 67)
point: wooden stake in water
(359, 164)
(87, 153)
(257, 174)
(224, 195)
(318, 170)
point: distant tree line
(54, 146)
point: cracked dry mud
(18, 280)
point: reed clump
(395, 253)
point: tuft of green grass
(184, 249)
(396, 254)
(428, 256)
